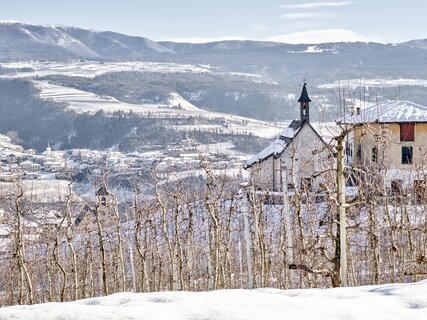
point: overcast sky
(204, 20)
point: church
(294, 159)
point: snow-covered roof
(287, 133)
(326, 131)
(275, 148)
(390, 112)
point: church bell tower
(304, 101)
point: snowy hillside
(385, 302)
(47, 41)
(375, 83)
(82, 101)
(92, 69)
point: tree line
(209, 233)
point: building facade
(294, 158)
(390, 137)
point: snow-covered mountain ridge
(58, 42)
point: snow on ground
(313, 49)
(91, 69)
(83, 101)
(176, 100)
(38, 191)
(375, 83)
(218, 148)
(385, 302)
(232, 173)
(317, 49)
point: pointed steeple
(48, 151)
(304, 101)
(304, 95)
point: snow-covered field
(92, 69)
(375, 83)
(176, 100)
(317, 49)
(83, 101)
(384, 302)
(38, 191)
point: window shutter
(407, 132)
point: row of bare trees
(210, 233)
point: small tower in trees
(105, 197)
(304, 101)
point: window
(359, 152)
(407, 155)
(407, 131)
(349, 149)
(375, 154)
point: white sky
(204, 20)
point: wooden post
(289, 239)
(342, 211)
(247, 237)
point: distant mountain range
(26, 41)
(253, 79)
(277, 61)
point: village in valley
(44, 176)
(89, 205)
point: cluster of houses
(45, 176)
(17, 163)
(182, 157)
(389, 137)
